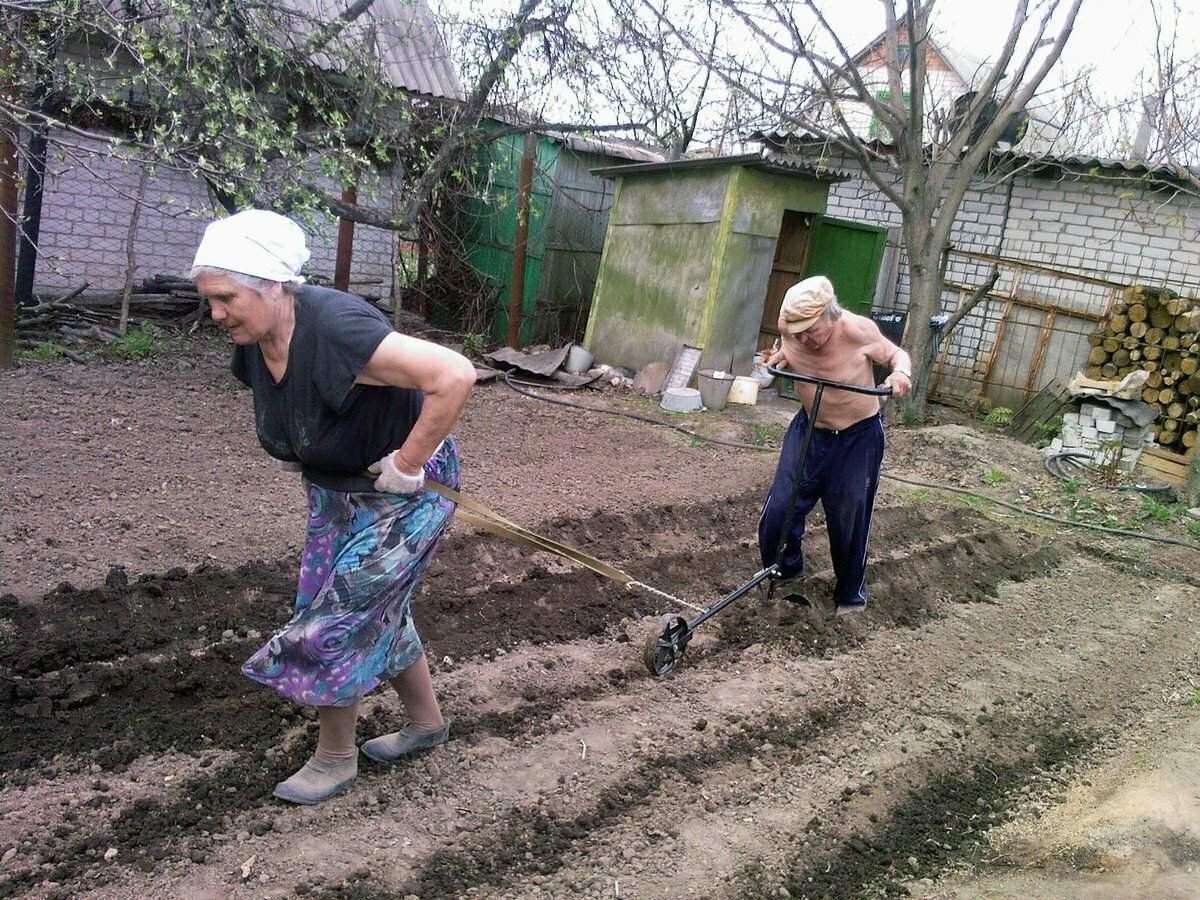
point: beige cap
(804, 303)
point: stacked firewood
(85, 316)
(1157, 331)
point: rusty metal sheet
(545, 363)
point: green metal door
(849, 255)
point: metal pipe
(516, 287)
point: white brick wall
(88, 203)
(1111, 227)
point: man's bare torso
(845, 355)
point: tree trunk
(924, 302)
(131, 251)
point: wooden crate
(1162, 465)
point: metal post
(345, 243)
(516, 288)
(31, 209)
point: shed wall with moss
(687, 259)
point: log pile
(80, 317)
(1155, 330)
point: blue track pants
(842, 471)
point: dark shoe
(782, 589)
(390, 747)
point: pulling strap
(482, 517)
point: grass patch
(143, 342)
(44, 351)
(994, 476)
(998, 417)
(768, 435)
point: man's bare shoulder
(860, 329)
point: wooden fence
(1030, 330)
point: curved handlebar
(841, 386)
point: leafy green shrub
(1047, 431)
(999, 417)
(474, 343)
(142, 342)
(994, 476)
(44, 351)
(1159, 512)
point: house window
(878, 131)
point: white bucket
(744, 390)
(579, 360)
(681, 399)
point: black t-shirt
(317, 415)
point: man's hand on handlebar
(900, 383)
(774, 357)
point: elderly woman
(365, 414)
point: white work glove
(391, 480)
(287, 465)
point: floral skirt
(364, 557)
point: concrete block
(1070, 418)
(1086, 421)
(1102, 413)
(1106, 426)
(1089, 433)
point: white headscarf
(255, 242)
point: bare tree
(267, 103)
(884, 114)
(645, 73)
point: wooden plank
(1180, 459)
(1036, 304)
(1039, 353)
(1034, 267)
(995, 354)
(1166, 472)
(939, 367)
(1041, 407)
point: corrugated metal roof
(1075, 162)
(410, 47)
(609, 146)
(1167, 171)
(767, 160)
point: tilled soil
(1001, 662)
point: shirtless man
(822, 340)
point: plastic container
(744, 390)
(681, 399)
(578, 359)
(714, 388)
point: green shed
(568, 216)
(701, 251)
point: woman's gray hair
(833, 311)
(261, 285)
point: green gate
(849, 255)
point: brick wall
(88, 202)
(1108, 225)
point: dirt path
(1010, 719)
